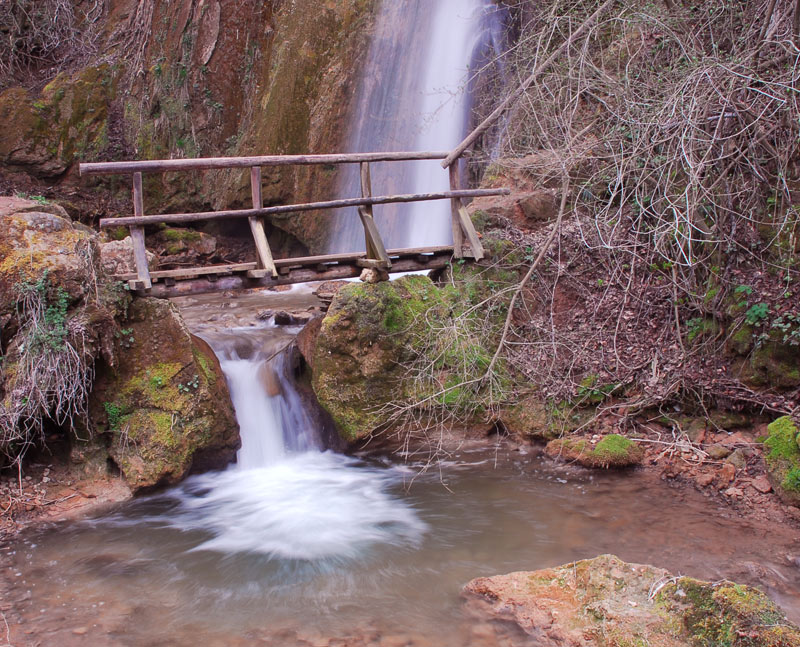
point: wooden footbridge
(267, 271)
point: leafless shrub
(51, 371)
(36, 34)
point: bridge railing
(465, 238)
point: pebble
(80, 631)
(762, 484)
(704, 480)
(734, 492)
(718, 452)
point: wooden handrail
(206, 163)
(376, 255)
(133, 221)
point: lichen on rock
(606, 601)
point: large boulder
(165, 406)
(38, 239)
(360, 349)
(608, 602)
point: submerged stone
(610, 603)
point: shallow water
(324, 546)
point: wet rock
(762, 484)
(166, 408)
(782, 457)
(265, 314)
(284, 318)
(373, 275)
(360, 348)
(704, 480)
(326, 290)
(605, 601)
(727, 473)
(611, 451)
(738, 459)
(529, 420)
(307, 340)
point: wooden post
(455, 221)
(461, 222)
(375, 248)
(137, 237)
(263, 254)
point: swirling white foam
(308, 506)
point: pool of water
(323, 549)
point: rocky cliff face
(187, 79)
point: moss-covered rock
(605, 601)
(782, 455)
(361, 346)
(166, 406)
(611, 451)
(529, 419)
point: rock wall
(187, 79)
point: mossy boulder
(775, 363)
(611, 451)
(165, 407)
(38, 238)
(782, 456)
(605, 601)
(361, 347)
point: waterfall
(286, 497)
(414, 95)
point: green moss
(782, 440)
(614, 447)
(727, 615)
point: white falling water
(285, 497)
(413, 96)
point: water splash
(285, 498)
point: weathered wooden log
(137, 235)
(305, 275)
(207, 163)
(291, 208)
(455, 221)
(374, 243)
(263, 252)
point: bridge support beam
(263, 253)
(376, 251)
(460, 220)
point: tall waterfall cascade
(414, 94)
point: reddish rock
(762, 484)
(727, 473)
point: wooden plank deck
(303, 269)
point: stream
(300, 545)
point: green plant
(756, 314)
(114, 413)
(191, 385)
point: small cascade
(414, 95)
(286, 497)
(273, 419)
